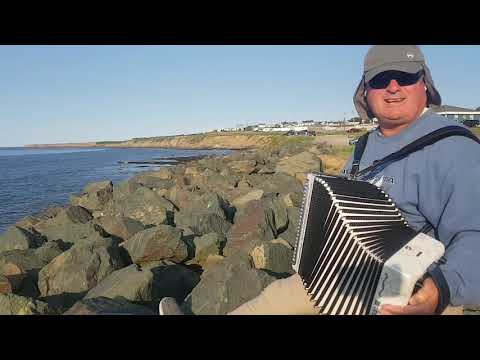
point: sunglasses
(382, 80)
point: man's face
(394, 104)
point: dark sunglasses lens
(382, 80)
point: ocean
(34, 179)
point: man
(435, 186)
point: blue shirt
(438, 184)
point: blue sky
(54, 94)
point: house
(462, 115)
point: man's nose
(393, 86)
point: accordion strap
(414, 146)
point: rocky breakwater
(212, 233)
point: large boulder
(161, 242)
(106, 306)
(21, 267)
(278, 183)
(206, 246)
(290, 234)
(276, 213)
(225, 286)
(251, 226)
(6, 286)
(95, 196)
(16, 238)
(71, 274)
(244, 199)
(274, 256)
(11, 304)
(70, 225)
(244, 166)
(145, 206)
(299, 164)
(152, 181)
(201, 223)
(148, 283)
(119, 226)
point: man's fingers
(421, 309)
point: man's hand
(424, 302)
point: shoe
(169, 306)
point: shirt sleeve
(449, 197)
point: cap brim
(405, 66)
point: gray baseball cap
(380, 58)
(407, 58)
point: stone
(244, 166)
(5, 285)
(225, 286)
(145, 206)
(106, 306)
(252, 195)
(95, 196)
(119, 226)
(11, 304)
(202, 223)
(206, 246)
(250, 227)
(290, 234)
(300, 163)
(273, 256)
(158, 243)
(16, 238)
(70, 275)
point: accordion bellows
(354, 250)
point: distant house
(458, 113)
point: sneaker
(169, 306)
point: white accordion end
(354, 250)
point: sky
(59, 94)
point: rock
(95, 196)
(70, 225)
(5, 285)
(211, 203)
(103, 306)
(50, 250)
(214, 163)
(182, 197)
(11, 304)
(21, 267)
(146, 206)
(207, 245)
(252, 195)
(290, 235)
(16, 238)
(192, 171)
(157, 243)
(274, 256)
(250, 228)
(76, 214)
(202, 223)
(152, 182)
(148, 283)
(300, 163)
(276, 213)
(244, 184)
(244, 166)
(131, 283)
(123, 189)
(120, 226)
(226, 286)
(278, 183)
(70, 275)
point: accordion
(354, 250)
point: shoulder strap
(358, 153)
(420, 143)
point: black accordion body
(354, 250)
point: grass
(476, 131)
